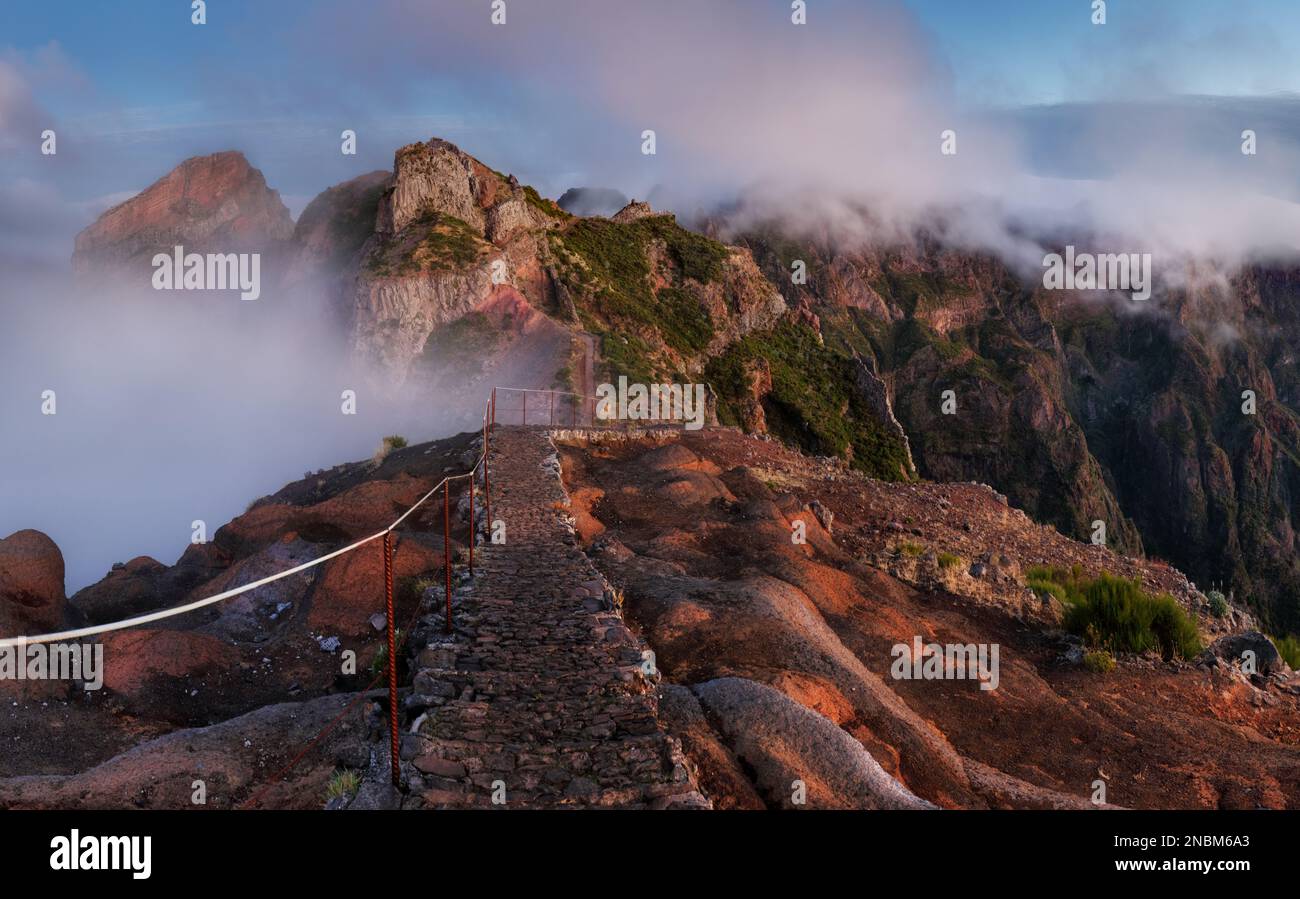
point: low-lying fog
(170, 407)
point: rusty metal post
(446, 545)
(471, 524)
(394, 748)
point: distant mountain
(207, 204)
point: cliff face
(448, 235)
(216, 203)
(452, 237)
(1081, 411)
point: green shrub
(1289, 648)
(1099, 661)
(543, 204)
(911, 548)
(1115, 614)
(1043, 587)
(1066, 584)
(395, 441)
(1218, 603)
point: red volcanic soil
(239, 686)
(696, 530)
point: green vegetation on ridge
(1116, 615)
(607, 267)
(813, 403)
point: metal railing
(386, 535)
(563, 408)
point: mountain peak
(217, 202)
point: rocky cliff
(1081, 410)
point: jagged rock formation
(450, 236)
(217, 204)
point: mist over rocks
(334, 226)
(585, 201)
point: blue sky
(134, 87)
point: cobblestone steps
(538, 699)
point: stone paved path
(539, 697)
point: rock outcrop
(633, 211)
(448, 235)
(789, 747)
(31, 584)
(331, 231)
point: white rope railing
(78, 633)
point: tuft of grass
(1066, 584)
(1099, 661)
(379, 663)
(911, 548)
(342, 783)
(950, 560)
(1045, 587)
